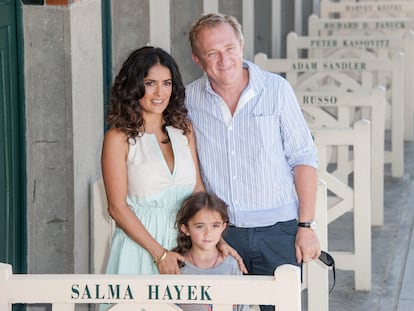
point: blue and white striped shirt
(248, 159)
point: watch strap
(308, 224)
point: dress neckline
(171, 173)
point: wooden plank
(65, 290)
(369, 9)
(359, 137)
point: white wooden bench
(315, 104)
(352, 198)
(369, 9)
(365, 34)
(335, 75)
(363, 46)
(315, 274)
(385, 47)
(150, 292)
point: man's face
(220, 54)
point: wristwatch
(308, 224)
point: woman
(149, 163)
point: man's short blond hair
(211, 20)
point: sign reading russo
(153, 292)
(319, 100)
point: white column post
(160, 32)
(248, 28)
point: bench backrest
(358, 26)
(340, 75)
(384, 46)
(102, 226)
(317, 106)
(369, 9)
(344, 197)
(64, 291)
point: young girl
(201, 221)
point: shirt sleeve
(298, 143)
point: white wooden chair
(361, 47)
(315, 274)
(314, 103)
(155, 292)
(102, 228)
(351, 197)
(328, 39)
(342, 75)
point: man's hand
(307, 245)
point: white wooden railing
(151, 292)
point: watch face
(313, 225)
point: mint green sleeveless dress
(155, 195)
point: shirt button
(232, 152)
(234, 177)
(230, 128)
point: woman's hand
(225, 249)
(169, 264)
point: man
(255, 150)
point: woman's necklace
(195, 263)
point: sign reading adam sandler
(330, 65)
(123, 291)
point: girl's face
(158, 89)
(205, 229)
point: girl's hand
(169, 265)
(225, 249)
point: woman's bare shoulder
(116, 134)
(116, 138)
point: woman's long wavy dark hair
(190, 206)
(125, 111)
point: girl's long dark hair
(125, 112)
(190, 206)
